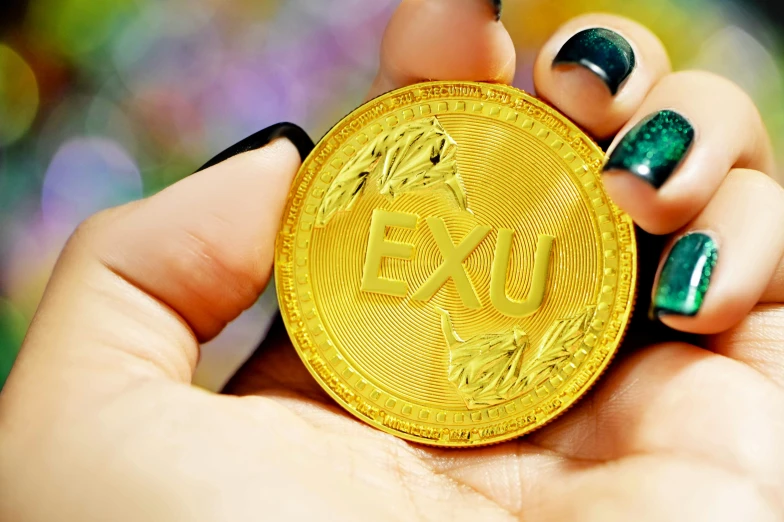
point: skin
(99, 421)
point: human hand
(99, 421)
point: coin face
(449, 266)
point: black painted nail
(294, 133)
(654, 148)
(686, 275)
(603, 52)
(497, 9)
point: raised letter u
(498, 297)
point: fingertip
(719, 320)
(576, 92)
(420, 44)
(598, 68)
(603, 52)
(723, 306)
(719, 269)
(281, 156)
(638, 198)
(293, 133)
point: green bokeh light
(77, 27)
(18, 96)
(12, 330)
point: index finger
(444, 40)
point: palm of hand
(669, 435)
(674, 432)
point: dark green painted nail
(605, 53)
(686, 275)
(497, 8)
(654, 148)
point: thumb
(139, 286)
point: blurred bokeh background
(106, 101)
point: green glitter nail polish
(686, 275)
(603, 52)
(654, 148)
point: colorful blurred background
(106, 101)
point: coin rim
(545, 419)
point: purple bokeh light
(87, 175)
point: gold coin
(449, 266)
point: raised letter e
(379, 247)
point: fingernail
(685, 277)
(654, 148)
(603, 52)
(294, 133)
(497, 9)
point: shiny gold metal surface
(449, 267)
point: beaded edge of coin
(351, 397)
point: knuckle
(754, 178)
(96, 228)
(761, 189)
(719, 100)
(734, 92)
(98, 221)
(201, 249)
(721, 87)
(88, 229)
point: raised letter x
(453, 263)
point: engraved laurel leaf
(415, 156)
(558, 344)
(423, 157)
(492, 368)
(348, 184)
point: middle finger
(674, 153)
